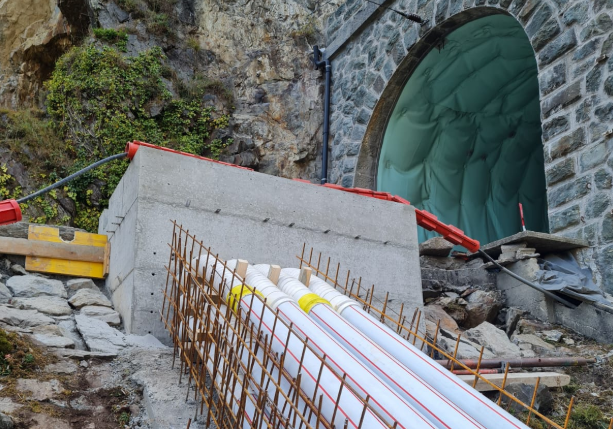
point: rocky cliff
(247, 59)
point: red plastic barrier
(132, 148)
(10, 212)
(424, 219)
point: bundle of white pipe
(458, 392)
(437, 408)
(349, 408)
(386, 401)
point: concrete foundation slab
(248, 215)
(543, 243)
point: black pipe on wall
(327, 67)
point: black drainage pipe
(327, 67)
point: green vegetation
(99, 99)
(18, 358)
(588, 417)
(156, 14)
(118, 38)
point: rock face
(436, 246)
(34, 34)
(5, 293)
(54, 341)
(6, 422)
(76, 284)
(23, 318)
(99, 336)
(51, 305)
(434, 313)
(41, 390)
(85, 297)
(524, 392)
(33, 286)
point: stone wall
(374, 51)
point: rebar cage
(220, 350)
(398, 321)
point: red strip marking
(308, 373)
(359, 363)
(442, 398)
(444, 373)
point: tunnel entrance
(464, 139)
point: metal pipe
(521, 363)
(481, 371)
(325, 64)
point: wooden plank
(241, 268)
(66, 266)
(46, 249)
(549, 379)
(274, 272)
(305, 276)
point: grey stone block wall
(373, 52)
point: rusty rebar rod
(520, 363)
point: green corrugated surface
(464, 140)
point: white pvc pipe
(350, 407)
(385, 400)
(437, 408)
(461, 394)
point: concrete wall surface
(247, 215)
(586, 319)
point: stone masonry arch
(374, 51)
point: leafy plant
(118, 38)
(99, 99)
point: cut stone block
(85, 297)
(33, 286)
(52, 305)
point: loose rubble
(82, 381)
(461, 296)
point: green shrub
(100, 99)
(118, 38)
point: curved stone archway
(374, 52)
(370, 151)
(464, 138)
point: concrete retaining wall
(586, 319)
(261, 218)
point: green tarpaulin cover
(464, 140)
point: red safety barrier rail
(424, 219)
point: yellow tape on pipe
(310, 300)
(238, 292)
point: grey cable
(71, 177)
(527, 282)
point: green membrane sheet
(464, 140)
